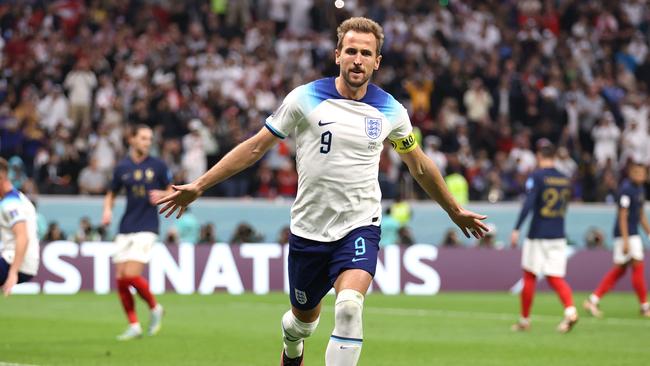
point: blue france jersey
(138, 179)
(632, 197)
(338, 145)
(547, 194)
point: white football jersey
(15, 207)
(338, 145)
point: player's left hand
(470, 222)
(12, 280)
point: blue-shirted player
(340, 125)
(628, 247)
(144, 179)
(19, 256)
(548, 193)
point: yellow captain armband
(405, 144)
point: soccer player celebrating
(544, 251)
(20, 249)
(145, 180)
(628, 247)
(339, 125)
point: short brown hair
(361, 25)
(4, 165)
(138, 127)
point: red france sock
(562, 289)
(142, 286)
(127, 299)
(638, 282)
(527, 294)
(609, 280)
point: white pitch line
(15, 364)
(414, 312)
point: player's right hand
(514, 238)
(626, 247)
(107, 217)
(182, 196)
(12, 279)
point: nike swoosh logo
(344, 347)
(354, 260)
(321, 123)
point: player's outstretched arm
(19, 230)
(428, 176)
(238, 159)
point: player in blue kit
(548, 193)
(20, 255)
(628, 247)
(340, 125)
(145, 180)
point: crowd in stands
(482, 80)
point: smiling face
(357, 58)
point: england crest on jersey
(373, 127)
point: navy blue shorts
(314, 266)
(4, 272)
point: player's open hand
(107, 217)
(470, 222)
(12, 280)
(179, 199)
(514, 238)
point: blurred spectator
(17, 174)
(565, 164)
(405, 236)
(80, 83)
(171, 237)
(53, 109)
(458, 186)
(208, 234)
(92, 180)
(431, 148)
(490, 239)
(54, 232)
(287, 180)
(450, 240)
(283, 236)
(86, 232)
(606, 137)
(197, 144)
(401, 211)
(244, 233)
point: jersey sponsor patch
(405, 144)
(624, 201)
(373, 127)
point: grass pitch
(447, 329)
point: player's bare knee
(348, 313)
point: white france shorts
(635, 250)
(546, 257)
(134, 247)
